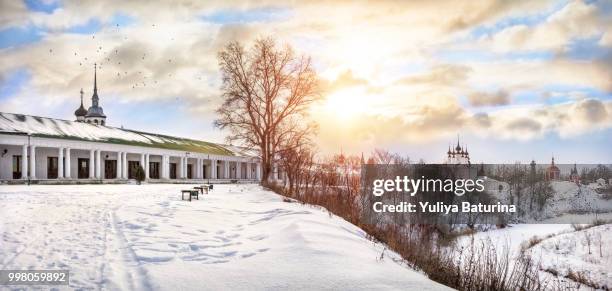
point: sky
(515, 80)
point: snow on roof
(11, 123)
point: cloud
(570, 119)
(524, 126)
(13, 14)
(345, 80)
(481, 120)
(385, 55)
(591, 110)
(500, 97)
(443, 74)
(576, 20)
(606, 39)
(539, 74)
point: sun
(345, 104)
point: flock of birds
(113, 59)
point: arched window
(102, 122)
(95, 121)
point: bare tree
(296, 160)
(267, 91)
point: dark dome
(80, 111)
(95, 112)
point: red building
(552, 172)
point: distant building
(552, 172)
(94, 114)
(458, 155)
(40, 150)
(574, 176)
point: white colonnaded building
(46, 150)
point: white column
(125, 165)
(60, 163)
(248, 171)
(213, 169)
(92, 173)
(98, 162)
(198, 168)
(185, 165)
(146, 166)
(119, 165)
(142, 161)
(67, 164)
(181, 167)
(33, 162)
(238, 170)
(165, 165)
(24, 162)
(222, 169)
(258, 171)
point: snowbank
(145, 238)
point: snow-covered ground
(144, 237)
(586, 252)
(570, 203)
(560, 248)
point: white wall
(49, 147)
(6, 161)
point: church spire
(94, 97)
(80, 112)
(458, 147)
(95, 113)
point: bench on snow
(203, 189)
(208, 187)
(190, 193)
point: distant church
(458, 155)
(38, 149)
(94, 114)
(553, 173)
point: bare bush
(334, 183)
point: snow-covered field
(144, 237)
(586, 252)
(560, 250)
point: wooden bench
(202, 189)
(190, 193)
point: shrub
(140, 174)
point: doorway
(52, 168)
(154, 170)
(172, 170)
(16, 167)
(132, 167)
(83, 168)
(110, 169)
